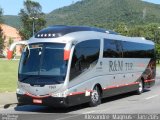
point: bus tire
(140, 88)
(95, 97)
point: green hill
(101, 13)
(12, 20)
(106, 13)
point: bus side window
(137, 50)
(85, 57)
(112, 49)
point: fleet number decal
(52, 87)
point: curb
(1, 106)
(11, 98)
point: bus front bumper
(47, 101)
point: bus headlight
(20, 91)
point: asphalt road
(130, 103)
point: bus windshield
(43, 60)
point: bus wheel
(140, 88)
(95, 97)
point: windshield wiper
(59, 82)
(28, 76)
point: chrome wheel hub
(95, 96)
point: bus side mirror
(13, 45)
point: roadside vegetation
(8, 75)
(158, 65)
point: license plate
(38, 101)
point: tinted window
(137, 50)
(112, 49)
(85, 57)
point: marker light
(66, 54)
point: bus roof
(60, 30)
(64, 34)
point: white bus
(62, 66)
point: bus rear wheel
(95, 97)
(140, 88)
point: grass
(8, 75)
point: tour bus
(62, 66)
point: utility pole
(33, 24)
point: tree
(1, 15)
(1, 32)
(31, 13)
(1, 41)
(151, 32)
(158, 52)
(10, 41)
(122, 28)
